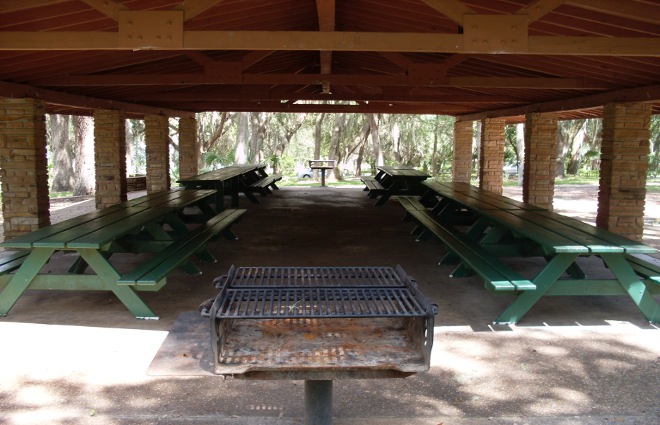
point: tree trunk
(373, 124)
(242, 138)
(520, 143)
(60, 147)
(335, 141)
(84, 176)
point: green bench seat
(646, 268)
(412, 203)
(155, 269)
(264, 184)
(496, 275)
(374, 187)
(11, 262)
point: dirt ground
(580, 201)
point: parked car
(510, 170)
(305, 173)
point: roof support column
(110, 157)
(540, 159)
(24, 173)
(158, 154)
(491, 160)
(188, 149)
(624, 164)
(461, 168)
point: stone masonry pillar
(110, 157)
(491, 160)
(24, 167)
(624, 163)
(461, 168)
(540, 159)
(188, 151)
(158, 153)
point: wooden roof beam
(330, 41)
(326, 15)
(12, 90)
(226, 73)
(640, 94)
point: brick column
(461, 168)
(540, 159)
(24, 167)
(188, 151)
(624, 163)
(491, 160)
(158, 154)
(110, 157)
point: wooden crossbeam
(332, 41)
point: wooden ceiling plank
(399, 59)
(539, 8)
(644, 12)
(452, 9)
(194, 8)
(255, 57)
(16, 5)
(109, 8)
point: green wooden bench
(648, 269)
(11, 262)
(496, 275)
(373, 186)
(411, 203)
(264, 184)
(153, 271)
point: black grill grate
(318, 303)
(313, 276)
(317, 292)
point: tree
(375, 139)
(84, 177)
(62, 153)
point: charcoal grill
(319, 324)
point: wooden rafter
(109, 8)
(539, 8)
(191, 9)
(453, 9)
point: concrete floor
(81, 358)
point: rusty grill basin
(320, 322)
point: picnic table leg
(110, 276)
(543, 281)
(633, 285)
(23, 277)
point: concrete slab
(81, 358)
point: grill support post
(318, 402)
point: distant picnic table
(156, 223)
(394, 180)
(479, 228)
(232, 180)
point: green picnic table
(400, 180)
(156, 223)
(479, 227)
(232, 180)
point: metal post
(322, 177)
(318, 402)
